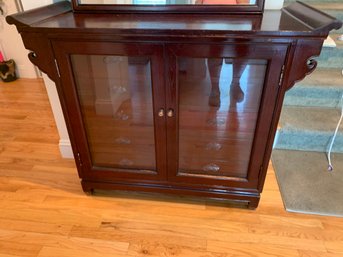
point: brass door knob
(170, 113)
(161, 112)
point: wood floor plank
(38, 227)
(277, 241)
(335, 247)
(7, 255)
(259, 249)
(19, 249)
(66, 242)
(296, 232)
(30, 212)
(318, 254)
(137, 236)
(167, 250)
(62, 252)
(295, 220)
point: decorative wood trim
(27, 18)
(311, 17)
(42, 54)
(302, 62)
(251, 199)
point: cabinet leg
(87, 188)
(89, 192)
(252, 205)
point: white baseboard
(24, 71)
(65, 149)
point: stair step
(314, 97)
(332, 57)
(309, 119)
(309, 129)
(308, 141)
(332, 78)
(323, 88)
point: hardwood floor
(44, 213)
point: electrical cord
(330, 167)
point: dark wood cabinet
(185, 104)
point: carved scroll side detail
(303, 61)
(41, 63)
(40, 53)
(33, 58)
(311, 65)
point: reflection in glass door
(115, 95)
(219, 101)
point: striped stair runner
(312, 107)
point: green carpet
(305, 184)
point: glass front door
(117, 92)
(219, 100)
(115, 95)
(221, 95)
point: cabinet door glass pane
(115, 95)
(218, 110)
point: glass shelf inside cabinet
(219, 105)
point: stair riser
(322, 96)
(314, 120)
(303, 141)
(330, 58)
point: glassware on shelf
(211, 167)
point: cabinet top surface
(296, 20)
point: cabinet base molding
(248, 199)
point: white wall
(64, 142)
(30, 4)
(273, 4)
(12, 46)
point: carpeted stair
(309, 118)
(313, 106)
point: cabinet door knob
(161, 112)
(170, 113)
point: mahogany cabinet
(174, 103)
